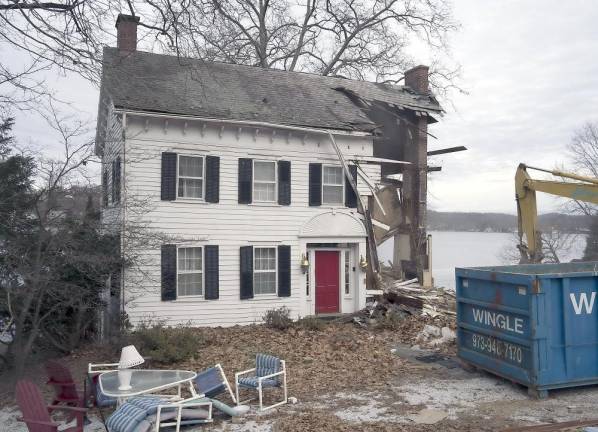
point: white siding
(227, 224)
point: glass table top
(143, 381)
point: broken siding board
(227, 224)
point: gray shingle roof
(169, 84)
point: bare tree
(353, 38)
(361, 39)
(557, 247)
(583, 151)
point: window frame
(342, 185)
(275, 271)
(203, 178)
(203, 282)
(253, 181)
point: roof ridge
(391, 86)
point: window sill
(336, 206)
(190, 201)
(258, 297)
(265, 204)
(190, 299)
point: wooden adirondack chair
(36, 415)
(65, 389)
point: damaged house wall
(402, 135)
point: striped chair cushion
(125, 418)
(148, 403)
(252, 382)
(267, 365)
(101, 400)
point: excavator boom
(584, 189)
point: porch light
(129, 357)
(363, 264)
(304, 263)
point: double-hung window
(191, 177)
(264, 181)
(190, 272)
(333, 185)
(264, 271)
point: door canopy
(333, 224)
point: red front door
(327, 281)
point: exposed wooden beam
(446, 150)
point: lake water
(452, 249)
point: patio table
(146, 381)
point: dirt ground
(349, 378)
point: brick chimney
(126, 33)
(417, 78)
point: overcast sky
(531, 72)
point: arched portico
(334, 243)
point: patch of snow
(458, 394)
(249, 426)
(368, 412)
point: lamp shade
(129, 357)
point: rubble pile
(407, 301)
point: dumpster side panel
(572, 329)
(534, 324)
(494, 322)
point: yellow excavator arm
(583, 189)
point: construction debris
(399, 300)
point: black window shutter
(116, 183)
(211, 272)
(169, 166)
(168, 272)
(105, 188)
(246, 265)
(245, 180)
(315, 184)
(350, 197)
(284, 271)
(284, 182)
(212, 179)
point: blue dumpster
(534, 324)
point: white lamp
(129, 357)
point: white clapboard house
(235, 166)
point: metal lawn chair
(93, 395)
(269, 372)
(36, 415)
(212, 382)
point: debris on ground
(399, 301)
(428, 416)
(433, 336)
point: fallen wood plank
(405, 282)
(396, 298)
(410, 289)
(373, 292)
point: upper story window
(333, 185)
(190, 272)
(190, 177)
(264, 271)
(264, 181)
